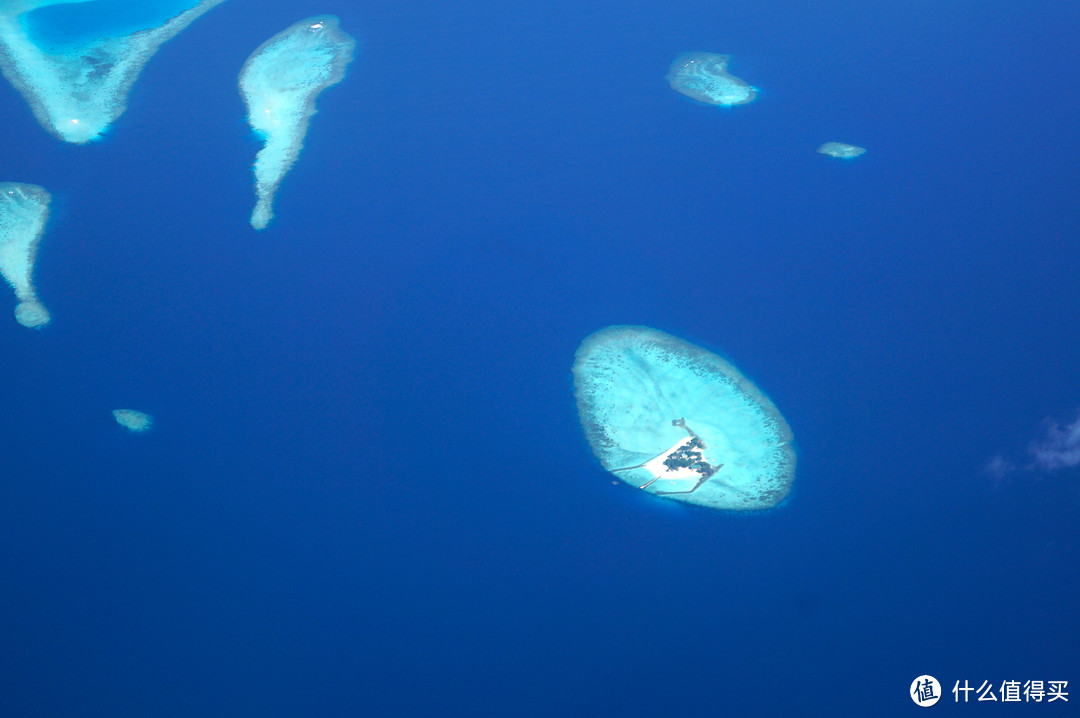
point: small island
(684, 462)
(134, 421)
(841, 150)
(703, 76)
(24, 211)
(730, 448)
(78, 88)
(279, 83)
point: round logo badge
(925, 691)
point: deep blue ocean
(367, 492)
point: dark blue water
(366, 491)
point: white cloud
(1060, 449)
(1057, 449)
(999, 469)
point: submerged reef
(678, 421)
(703, 76)
(841, 150)
(280, 82)
(24, 210)
(132, 420)
(78, 89)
